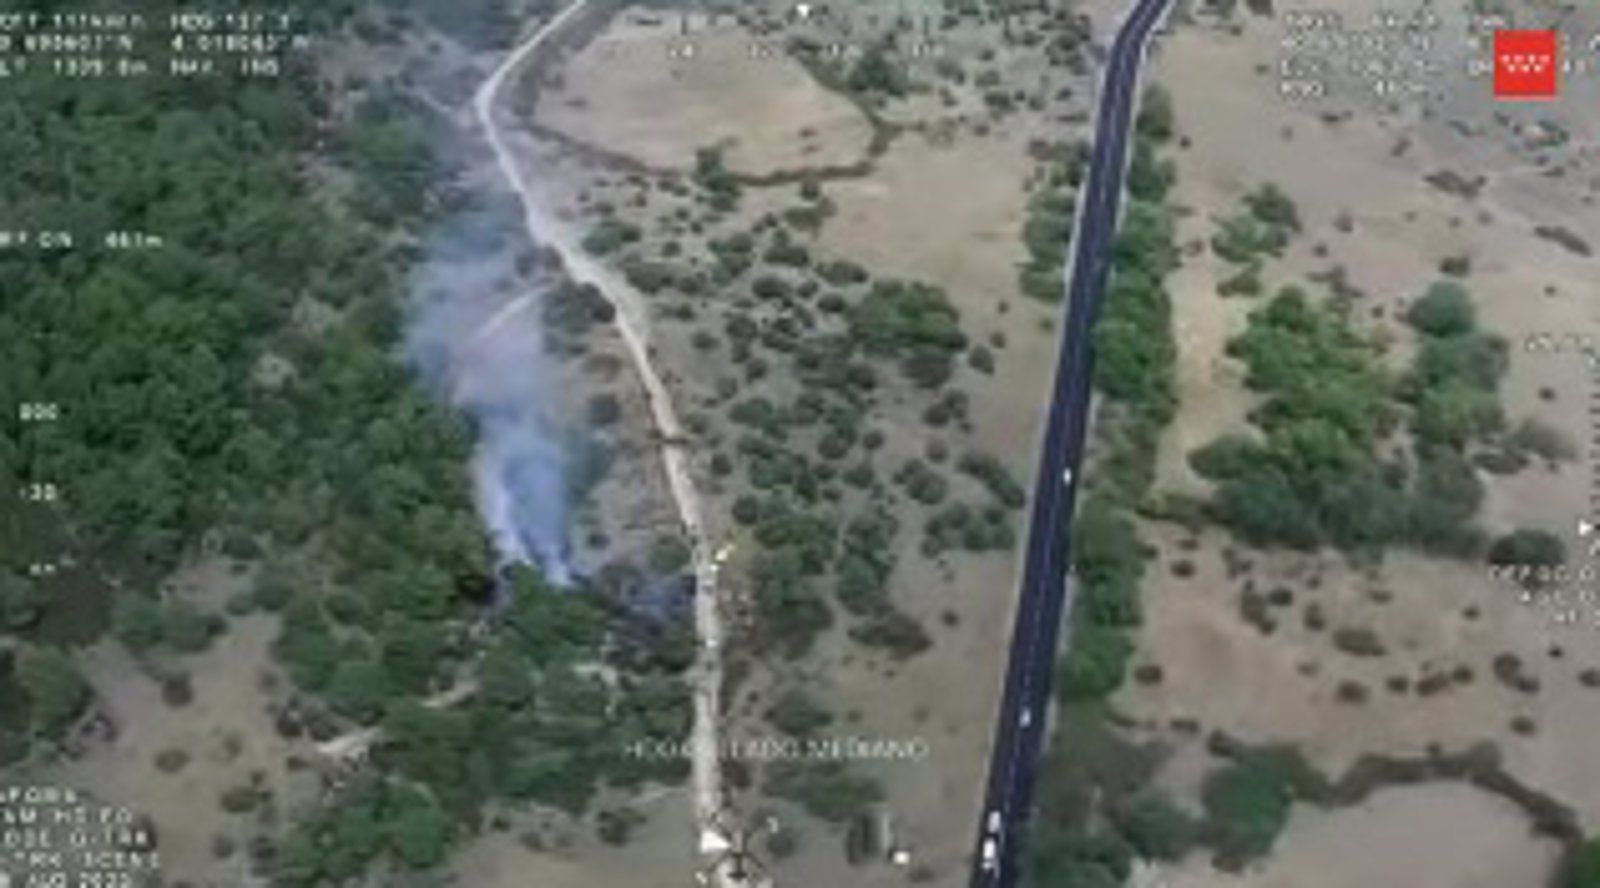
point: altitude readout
(1387, 56)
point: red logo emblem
(1525, 64)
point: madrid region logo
(1526, 64)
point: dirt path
(354, 744)
(632, 323)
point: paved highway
(1045, 596)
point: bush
(22, 601)
(1316, 477)
(842, 273)
(712, 175)
(922, 483)
(610, 235)
(55, 690)
(1358, 641)
(615, 826)
(604, 410)
(185, 627)
(359, 690)
(669, 554)
(961, 526)
(798, 714)
(1156, 827)
(747, 509)
(1446, 495)
(1241, 239)
(1544, 441)
(1528, 548)
(927, 366)
(1583, 868)
(1455, 412)
(1096, 662)
(789, 608)
(1149, 178)
(1132, 364)
(994, 475)
(1473, 359)
(1247, 805)
(785, 252)
(136, 620)
(1046, 234)
(1264, 508)
(1245, 282)
(1106, 544)
(829, 790)
(1043, 284)
(647, 276)
(1456, 266)
(878, 72)
(896, 632)
(1230, 456)
(1445, 310)
(1156, 118)
(1273, 207)
(895, 317)
(867, 558)
(981, 359)
(1313, 365)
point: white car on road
(991, 855)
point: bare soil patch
(227, 739)
(648, 90)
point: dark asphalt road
(1045, 595)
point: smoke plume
(475, 337)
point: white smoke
(474, 334)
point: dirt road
(633, 324)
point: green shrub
(981, 359)
(922, 483)
(1156, 827)
(1149, 178)
(669, 554)
(185, 627)
(896, 632)
(136, 620)
(1473, 359)
(830, 790)
(1241, 239)
(1245, 282)
(877, 72)
(1096, 662)
(994, 475)
(1528, 548)
(1247, 805)
(896, 316)
(797, 713)
(610, 235)
(1544, 441)
(1445, 310)
(55, 690)
(1156, 119)
(1274, 208)
(1583, 867)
